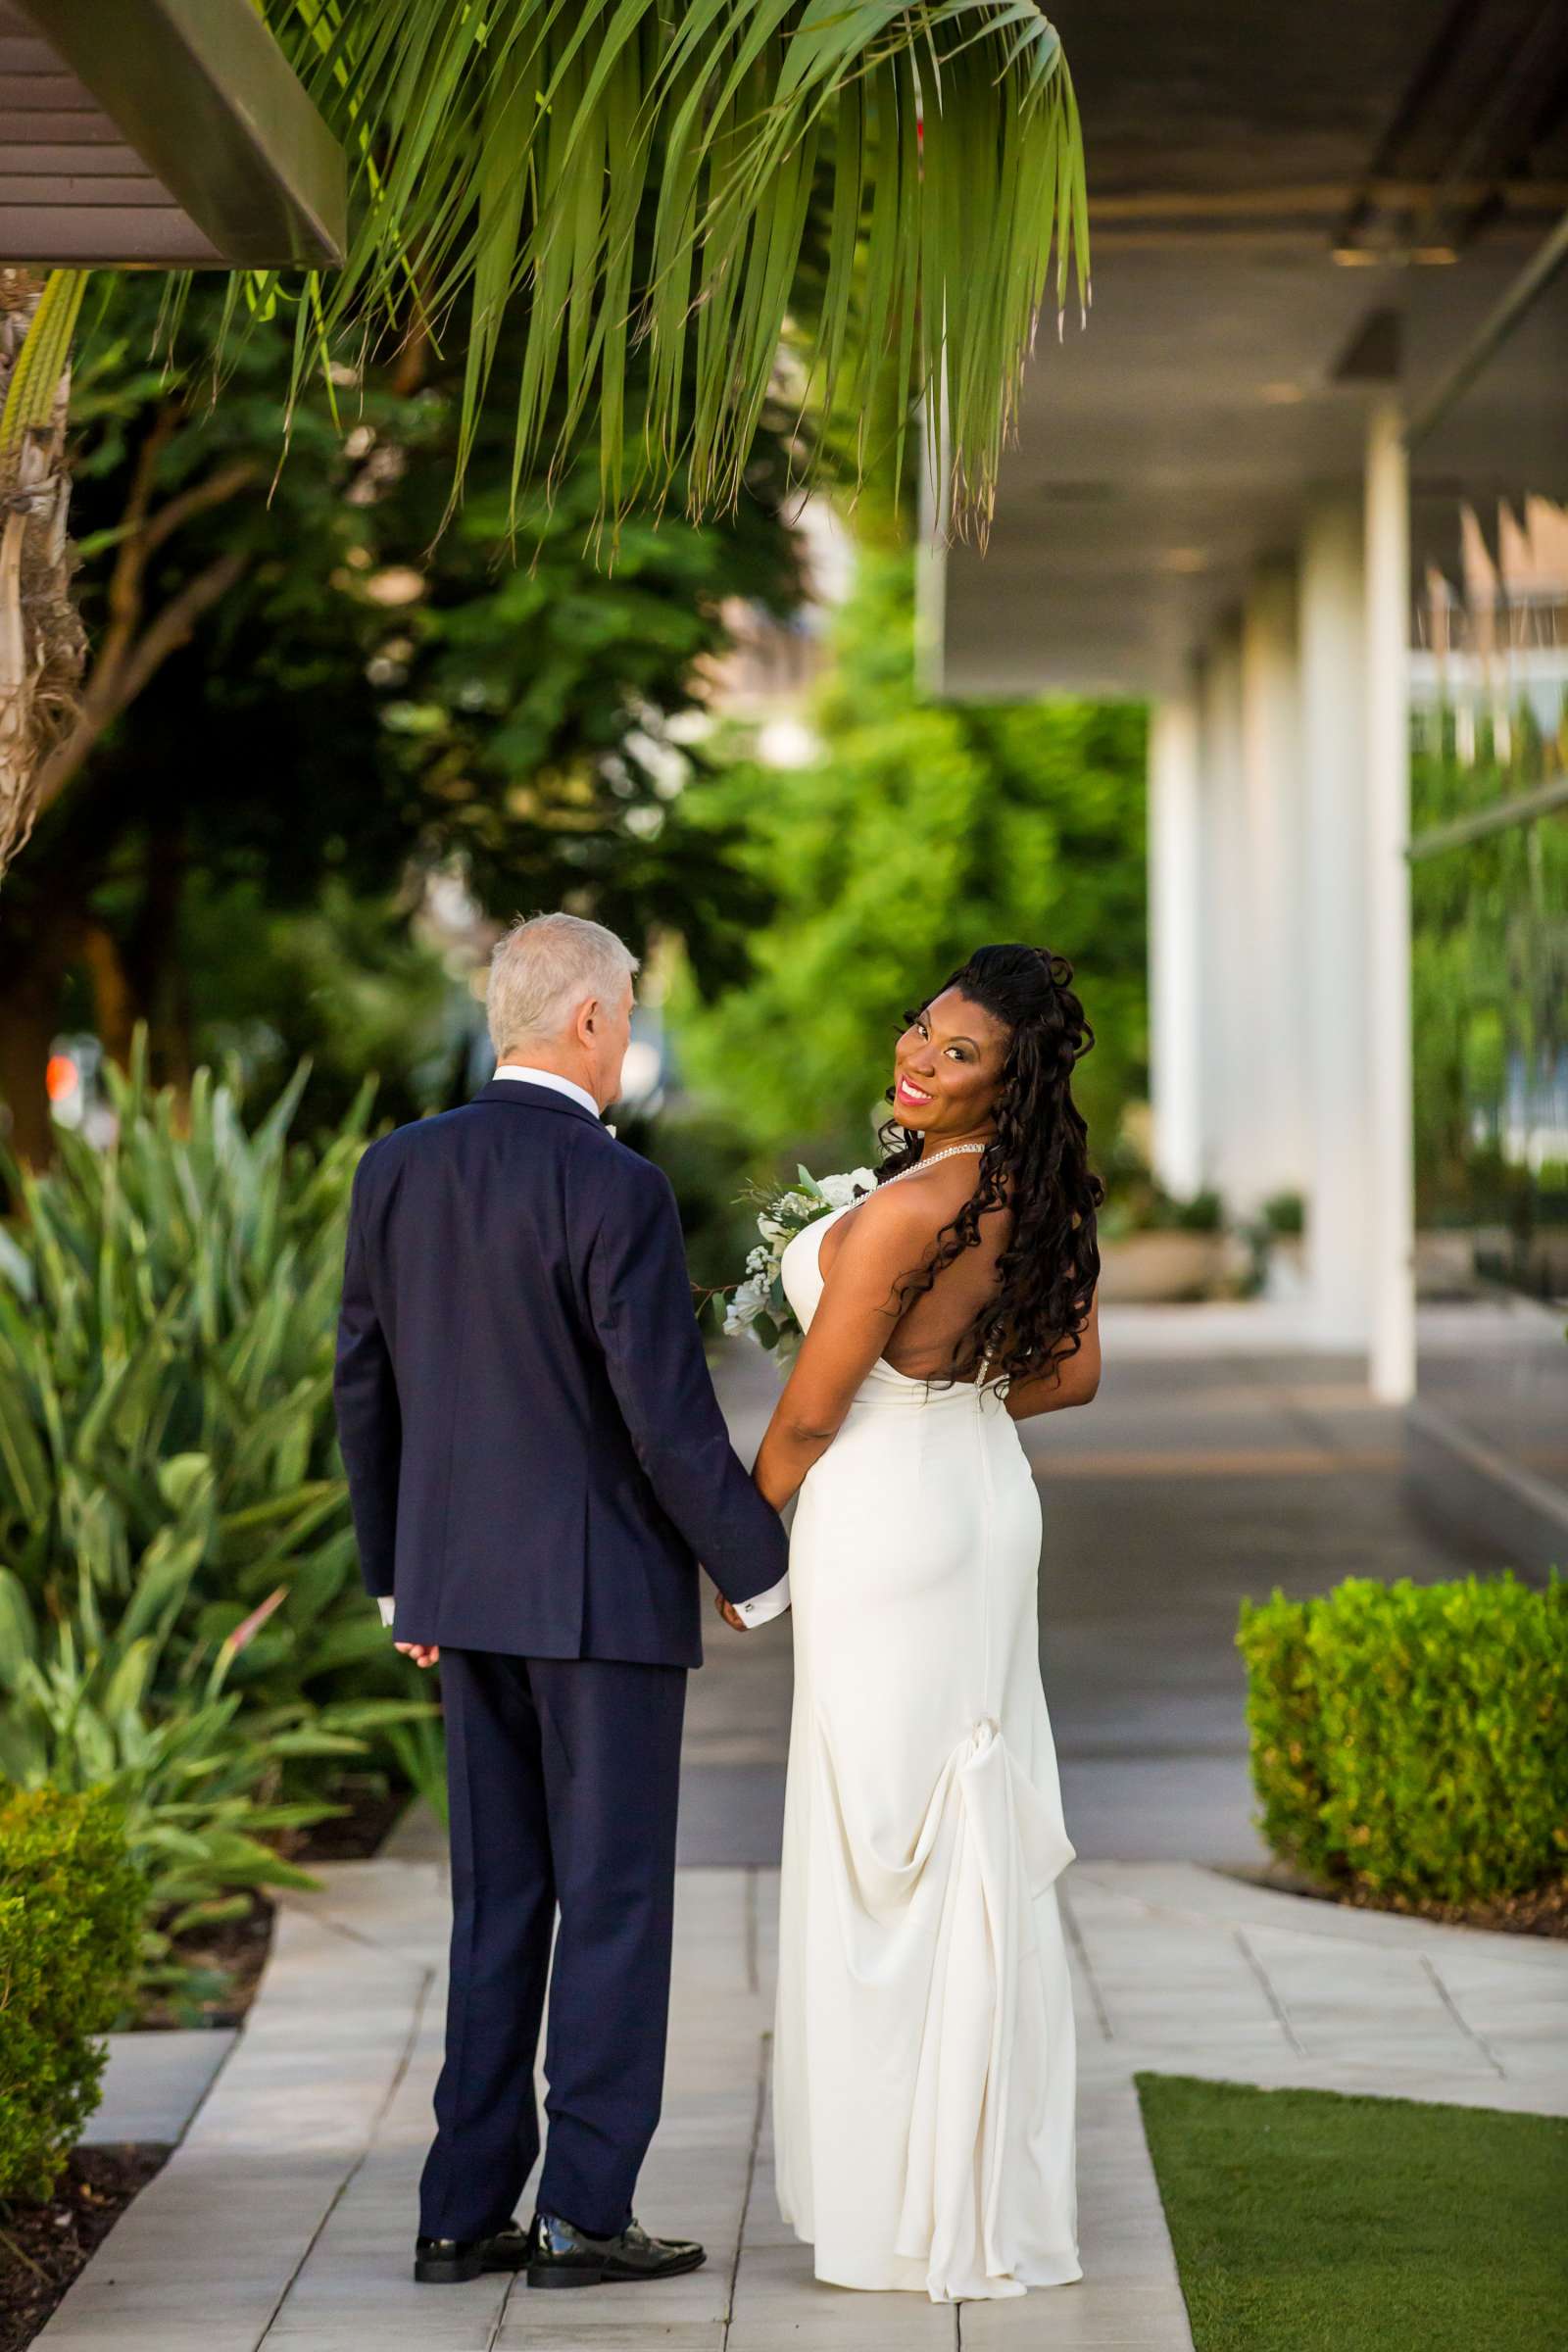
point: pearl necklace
(921, 1165)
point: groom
(536, 1463)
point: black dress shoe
(562, 2256)
(447, 2261)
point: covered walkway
(1300, 487)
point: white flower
(779, 1221)
(840, 1191)
(747, 1303)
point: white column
(1225, 1047)
(1270, 907)
(1175, 1003)
(1333, 659)
(1390, 1359)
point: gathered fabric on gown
(924, 2062)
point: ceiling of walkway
(1293, 210)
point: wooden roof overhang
(159, 134)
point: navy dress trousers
(537, 1464)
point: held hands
(731, 1615)
(424, 1654)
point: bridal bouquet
(758, 1305)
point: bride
(924, 2059)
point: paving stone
(1069, 2327)
(922, 2325)
(154, 2083)
(537, 2318)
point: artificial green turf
(1307, 2221)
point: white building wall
(1280, 912)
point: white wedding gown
(924, 2065)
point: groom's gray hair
(544, 969)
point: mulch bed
(1544, 1911)
(225, 1962)
(43, 2247)
(355, 1834)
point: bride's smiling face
(947, 1068)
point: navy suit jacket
(535, 1456)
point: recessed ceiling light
(1184, 559)
(1422, 257)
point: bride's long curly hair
(1037, 1164)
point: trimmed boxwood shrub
(1414, 1739)
(70, 1908)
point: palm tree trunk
(42, 648)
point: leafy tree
(293, 694)
(225, 688)
(921, 831)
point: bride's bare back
(923, 1341)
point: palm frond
(620, 170)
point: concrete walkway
(284, 2219)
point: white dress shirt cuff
(764, 1606)
(758, 1611)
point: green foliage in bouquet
(758, 1305)
(1412, 1739)
(183, 1612)
(70, 1902)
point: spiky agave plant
(181, 1616)
(176, 1296)
(626, 169)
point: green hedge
(1414, 1739)
(71, 1907)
